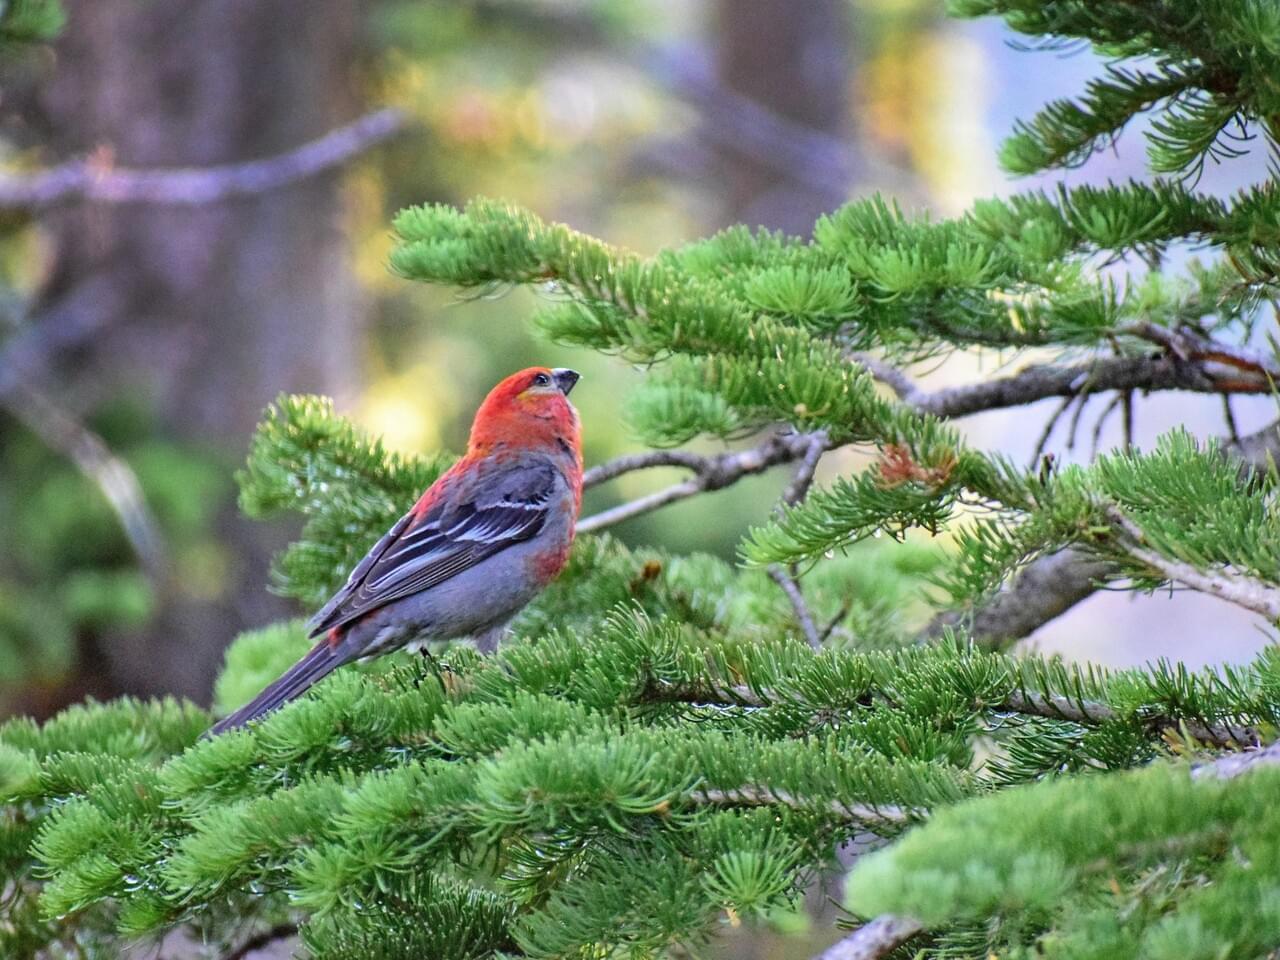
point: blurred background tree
(148, 325)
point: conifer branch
(874, 939)
(710, 473)
(1092, 712)
(97, 180)
(1243, 591)
(1206, 370)
(1051, 585)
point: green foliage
(1206, 67)
(30, 21)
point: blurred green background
(140, 341)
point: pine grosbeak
(477, 546)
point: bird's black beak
(565, 379)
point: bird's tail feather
(297, 680)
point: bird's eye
(541, 380)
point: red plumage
(481, 542)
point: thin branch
(95, 179)
(1235, 588)
(710, 473)
(282, 931)
(874, 939)
(804, 616)
(642, 461)
(90, 454)
(906, 389)
(802, 479)
(795, 492)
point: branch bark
(710, 473)
(1201, 373)
(874, 939)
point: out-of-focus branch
(709, 473)
(1233, 764)
(874, 939)
(95, 179)
(1044, 590)
(863, 813)
(92, 457)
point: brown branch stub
(897, 466)
(97, 179)
(874, 939)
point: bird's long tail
(321, 661)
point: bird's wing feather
(463, 527)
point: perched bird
(477, 546)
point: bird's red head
(529, 408)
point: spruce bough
(670, 743)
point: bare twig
(907, 390)
(1235, 588)
(804, 616)
(97, 180)
(642, 461)
(92, 457)
(710, 473)
(282, 931)
(802, 479)
(788, 580)
(874, 939)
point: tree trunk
(206, 312)
(793, 60)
